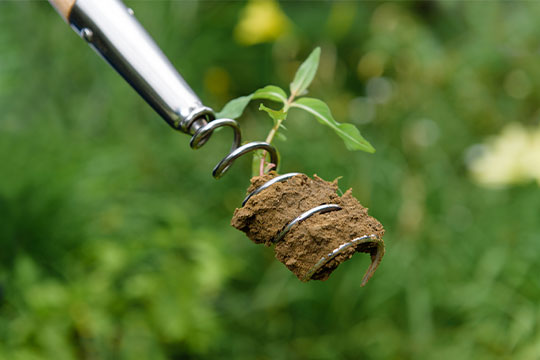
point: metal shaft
(112, 30)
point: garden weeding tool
(112, 30)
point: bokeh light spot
(261, 21)
(362, 110)
(371, 65)
(379, 89)
(217, 81)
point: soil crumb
(266, 214)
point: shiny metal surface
(203, 133)
(269, 183)
(112, 30)
(374, 239)
(318, 209)
(226, 163)
(376, 259)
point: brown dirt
(268, 212)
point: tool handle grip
(111, 29)
(63, 7)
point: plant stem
(274, 130)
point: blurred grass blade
(305, 73)
(348, 132)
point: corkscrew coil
(203, 130)
(307, 214)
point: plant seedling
(298, 88)
(327, 228)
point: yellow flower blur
(261, 21)
(511, 158)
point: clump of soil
(264, 216)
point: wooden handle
(63, 7)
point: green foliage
(271, 92)
(348, 132)
(276, 115)
(302, 79)
(234, 108)
(305, 73)
(115, 240)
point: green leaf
(348, 132)
(276, 115)
(305, 73)
(234, 108)
(281, 137)
(271, 92)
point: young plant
(298, 88)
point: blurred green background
(115, 240)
